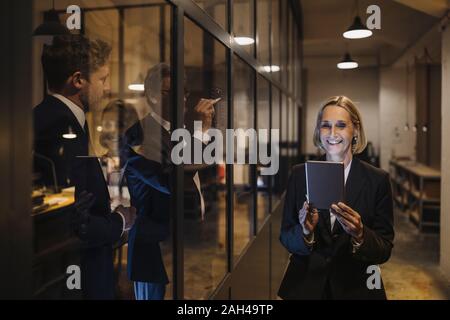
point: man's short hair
(71, 53)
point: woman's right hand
(308, 217)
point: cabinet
(416, 190)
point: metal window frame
(188, 8)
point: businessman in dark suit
(77, 73)
(335, 253)
(148, 169)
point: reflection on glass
(277, 188)
(243, 31)
(112, 122)
(216, 9)
(275, 35)
(284, 41)
(146, 42)
(243, 111)
(296, 70)
(294, 127)
(263, 13)
(263, 122)
(290, 138)
(291, 43)
(204, 190)
(284, 141)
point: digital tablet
(324, 183)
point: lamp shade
(357, 30)
(51, 25)
(347, 62)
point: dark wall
(15, 149)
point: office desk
(54, 247)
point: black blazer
(52, 119)
(148, 181)
(330, 269)
(148, 177)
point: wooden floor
(412, 273)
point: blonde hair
(342, 101)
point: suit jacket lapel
(76, 127)
(353, 187)
(355, 183)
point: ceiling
(403, 22)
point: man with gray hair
(147, 170)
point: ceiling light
(272, 68)
(357, 30)
(347, 62)
(137, 87)
(70, 134)
(51, 25)
(244, 41)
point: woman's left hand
(349, 219)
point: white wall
(360, 85)
(445, 155)
(397, 107)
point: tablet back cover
(324, 183)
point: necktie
(86, 128)
(86, 136)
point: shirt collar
(76, 110)
(164, 123)
(347, 170)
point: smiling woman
(339, 129)
(334, 250)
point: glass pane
(205, 255)
(216, 9)
(116, 114)
(288, 133)
(263, 121)
(276, 36)
(291, 131)
(296, 63)
(284, 150)
(104, 25)
(263, 10)
(295, 133)
(291, 51)
(277, 188)
(284, 42)
(243, 29)
(146, 54)
(243, 111)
